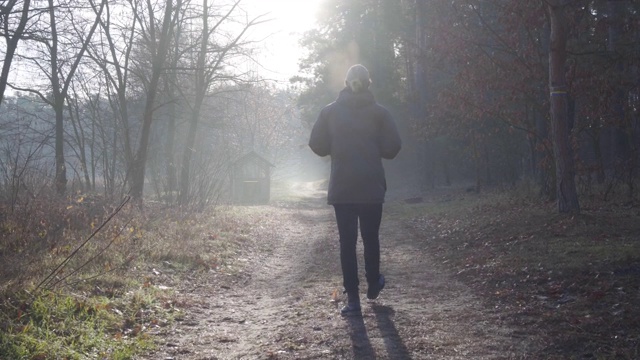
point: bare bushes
(50, 242)
(34, 234)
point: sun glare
(288, 20)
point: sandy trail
(281, 308)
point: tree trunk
(114, 161)
(200, 91)
(159, 57)
(61, 169)
(542, 164)
(60, 89)
(80, 137)
(169, 149)
(545, 175)
(140, 160)
(621, 139)
(186, 157)
(597, 150)
(567, 196)
(616, 28)
(12, 45)
(58, 107)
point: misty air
(321, 179)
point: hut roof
(251, 155)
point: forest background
(154, 100)
(157, 99)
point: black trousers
(368, 216)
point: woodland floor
(467, 279)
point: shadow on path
(360, 343)
(396, 349)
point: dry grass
(573, 280)
(106, 272)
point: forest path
(281, 306)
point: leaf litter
(471, 276)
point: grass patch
(114, 286)
(55, 325)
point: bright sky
(280, 52)
(279, 38)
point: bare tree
(208, 70)
(262, 119)
(113, 55)
(84, 113)
(63, 59)
(12, 37)
(171, 89)
(157, 39)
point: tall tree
(208, 69)
(113, 57)
(63, 51)
(486, 69)
(171, 90)
(567, 196)
(157, 40)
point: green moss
(56, 326)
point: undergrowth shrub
(78, 274)
(36, 231)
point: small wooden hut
(251, 180)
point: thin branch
(56, 271)
(92, 258)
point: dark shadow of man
(396, 349)
(360, 343)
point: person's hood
(355, 99)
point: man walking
(358, 133)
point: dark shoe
(351, 309)
(353, 305)
(374, 289)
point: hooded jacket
(358, 133)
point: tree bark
(567, 196)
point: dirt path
(280, 306)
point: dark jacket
(358, 133)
